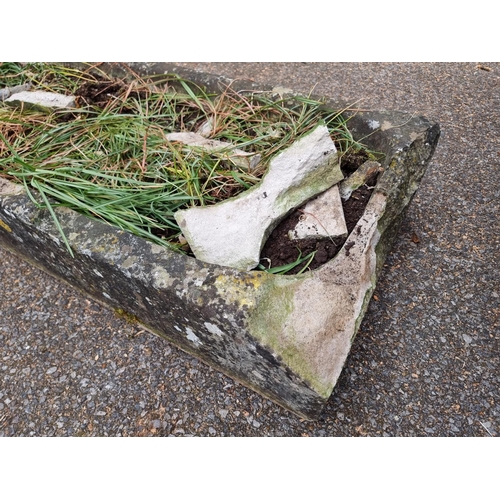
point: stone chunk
(322, 217)
(237, 156)
(39, 99)
(233, 232)
(366, 173)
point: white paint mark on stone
(192, 337)
(213, 329)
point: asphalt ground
(425, 361)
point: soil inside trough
(280, 250)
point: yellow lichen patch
(5, 226)
(128, 317)
(255, 279)
(106, 244)
(162, 279)
(240, 289)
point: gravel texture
(424, 363)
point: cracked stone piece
(323, 217)
(365, 173)
(39, 99)
(237, 156)
(233, 232)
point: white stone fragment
(322, 217)
(237, 156)
(41, 99)
(233, 232)
(206, 128)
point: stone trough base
(286, 337)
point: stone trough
(286, 337)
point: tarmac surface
(425, 362)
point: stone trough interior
(286, 337)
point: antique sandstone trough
(286, 337)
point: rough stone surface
(41, 99)
(233, 232)
(257, 328)
(322, 217)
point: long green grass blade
(40, 189)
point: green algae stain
(270, 324)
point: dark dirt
(98, 93)
(280, 250)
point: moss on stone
(268, 322)
(127, 316)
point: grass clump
(109, 158)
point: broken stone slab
(367, 172)
(322, 217)
(233, 232)
(239, 157)
(285, 337)
(41, 100)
